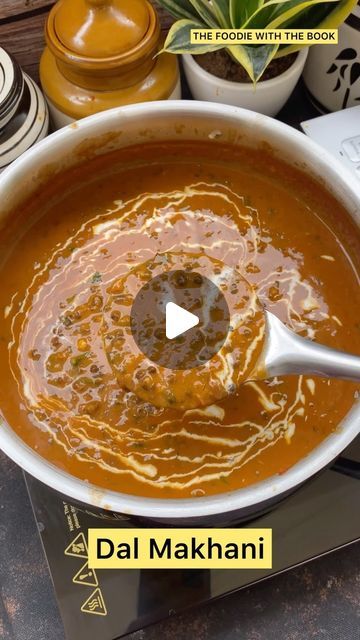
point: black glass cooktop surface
(321, 516)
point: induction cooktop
(109, 604)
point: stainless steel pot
(177, 120)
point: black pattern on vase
(347, 69)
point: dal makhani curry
(74, 256)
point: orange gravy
(63, 252)
(217, 357)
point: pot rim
(260, 492)
(248, 87)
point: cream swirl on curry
(231, 211)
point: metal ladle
(286, 353)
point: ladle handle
(287, 353)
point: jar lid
(11, 86)
(100, 28)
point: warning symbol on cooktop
(95, 604)
(86, 576)
(78, 547)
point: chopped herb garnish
(96, 278)
(66, 320)
(76, 361)
(139, 445)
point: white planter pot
(332, 72)
(268, 97)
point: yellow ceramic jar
(102, 54)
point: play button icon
(179, 317)
(174, 313)
(178, 320)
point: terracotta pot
(82, 72)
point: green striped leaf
(274, 9)
(242, 10)
(179, 8)
(222, 12)
(308, 16)
(178, 39)
(204, 10)
(293, 12)
(325, 16)
(253, 59)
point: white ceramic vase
(332, 72)
(24, 118)
(268, 97)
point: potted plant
(260, 77)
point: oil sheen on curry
(74, 386)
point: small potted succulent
(260, 77)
